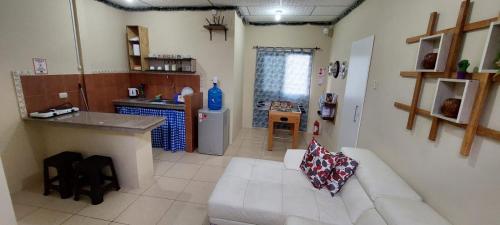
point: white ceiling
(259, 10)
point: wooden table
(292, 118)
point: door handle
(355, 113)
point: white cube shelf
(440, 44)
(491, 49)
(455, 88)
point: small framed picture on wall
(40, 66)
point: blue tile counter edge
(145, 103)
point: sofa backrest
(394, 199)
(377, 178)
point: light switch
(63, 95)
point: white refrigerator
(213, 131)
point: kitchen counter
(147, 103)
(125, 138)
(107, 121)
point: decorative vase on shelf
(451, 107)
(215, 97)
(429, 61)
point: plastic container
(215, 97)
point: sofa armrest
(293, 158)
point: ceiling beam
(232, 7)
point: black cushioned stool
(64, 165)
(90, 171)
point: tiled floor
(177, 196)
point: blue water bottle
(215, 97)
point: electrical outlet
(63, 95)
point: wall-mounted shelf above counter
(211, 28)
(171, 72)
(171, 65)
(159, 72)
(137, 47)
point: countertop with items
(109, 121)
(150, 103)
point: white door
(357, 78)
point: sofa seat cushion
(377, 178)
(254, 191)
(355, 199)
(398, 211)
(293, 158)
(295, 220)
(370, 217)
(217, 221)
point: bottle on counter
(174, 66)
(215, 96)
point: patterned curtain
(281, 75)
(171, 135)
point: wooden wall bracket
(431, 27)
(486, 80)
(481, 131)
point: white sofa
(253, 191)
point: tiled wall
(102, 89)
(41, 91)
(164, 84)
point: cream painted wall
(45, 30)
(183, 33)
(30, 29)
(102, 34)
(102, 31)
(464, 190)
(6, 210)
(284, 36)
(239, 44)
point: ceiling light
(277, 16)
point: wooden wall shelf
(463, 89)
(219, 27)
(170, 72)
(491, 49)
(481, 131)
(183, 65)
(137, 35)
(479, 25)
(484, 80)
(440, 44)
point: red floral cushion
(345, 167)
(308, 157)
(318, 163)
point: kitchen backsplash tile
(42, 91)
(166, 85)
(103, 88)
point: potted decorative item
(429, 61)
(462, 68)
(451, 107)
